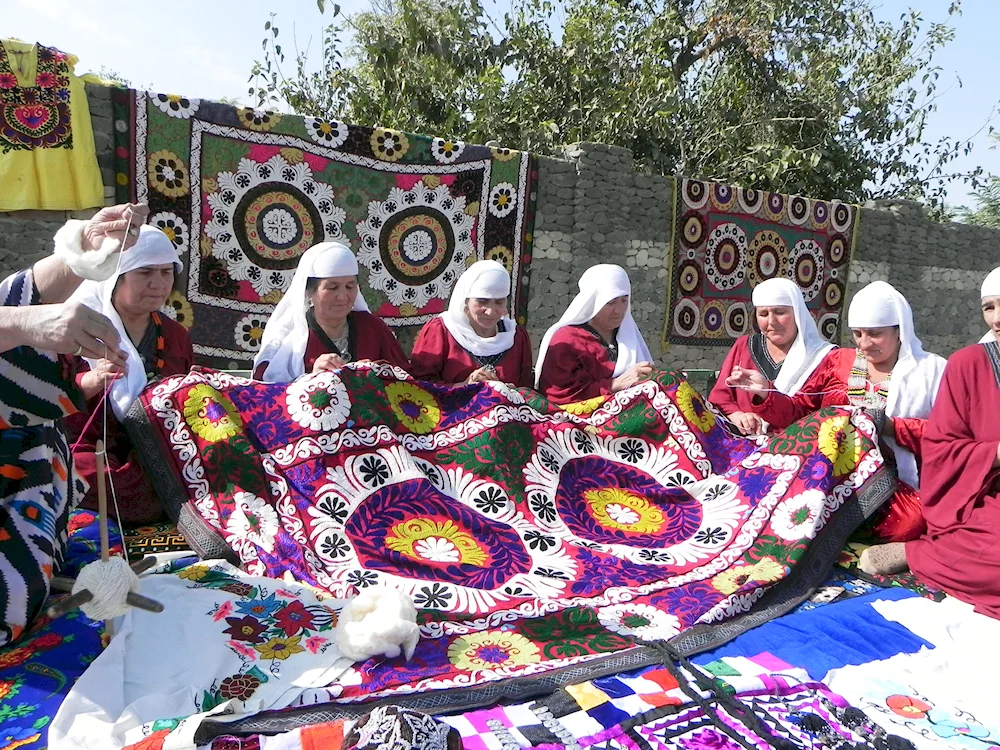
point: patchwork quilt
(540, 544)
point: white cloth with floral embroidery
(225, 642)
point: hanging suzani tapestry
(244, 192)
(727, 239)
(530, 537)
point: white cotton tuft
(110, 582)
(378, 621)
(96, 265)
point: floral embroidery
(280, 648)
(253, 521)
(693, 408)
(211, 415)
(179, 309)
(174, 105)
(257, 119)
(492, 650)
(839, 442)
(38, 116)
(388, 144)
(615, 508)
(414, 407)
(436, 541)
(503, 199)
(240, 687)
(640, 621)
(799, 517)
(168, 174)
(583, 408)
(327, 132)
(768, 570)
(319, 403)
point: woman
(475, 340)
(990, 283)
(787, 350)
(961, 485)
(888, 371)
(595, 349)
(154, 345)
(323, 322)
(39, 334)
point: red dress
(900, 520)
(961, 489)
(438, 358)
(731, 400)
(368, 338)
(577, 367)
(137, 501)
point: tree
(801, 96)
(987, 198)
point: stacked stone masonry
(593, 207)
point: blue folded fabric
(829, 637)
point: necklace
(861, 391)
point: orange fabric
(323, 736)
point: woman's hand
(635, 374)
(748, 380)
(328, 361)
(482, 375)
(94, 381)
(748, 422)
(111, 222)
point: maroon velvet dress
(136, 499)
(960, 487)
(577, 367)
(438, 358)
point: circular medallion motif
(693, 229)
(833, 295)
(768, 257)
(836, 250)
(689, 279)
(750, 200)
(416, 409)
(327, 132)
(173, 226)
(798, 210)
(639, 621)
(687, 318)
(737, 320)
(713, 319)
(503, 199)
(319, 402)
(799, 517)
(723, 196)
(211, 415)
(264, 216)
(841, 216)
(446, 151)
(416, 243)
(249, 331)
(820, 214)
(695, 193)
(807, 263)
(774, 206)
(829, 325)
(725, 256)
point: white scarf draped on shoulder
(915, 379)
(599, 285)
(153, 248)
(991, 288)
(286, 335)
(484, 279)
(809, 347)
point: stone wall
(594, 208)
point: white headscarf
(484, 279)
(917, 374)
(599, 285)
(286, 335)
(991, 288)
(153, 248)
(809, 347)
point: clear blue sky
(206, 48)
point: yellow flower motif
(693, 408)
(292, 155)
(194, 573)
(211, 415)
(839, 442)
(615, 508)
(431, 180)
(207, 245)
(388, 144)
(407, 310)
(257, 119)
(181, 308)
(168, 174)
(502, 154)
(583, 408)
(273, 297)
(414, 407)
(121, 178)
(435, 541)
(492, 650)
(767, 570)
(209, 185)
(280, 648)
(472, 209)
(501, 255)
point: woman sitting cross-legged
(888, 371)
(786, 351)
(155, 346)
(323, 322)
(475, 340)
(596, 348)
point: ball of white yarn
(110, 582)
(379, 621)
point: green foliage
(801, 96)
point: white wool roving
(96, 265)
(110, 581)
(378, 621)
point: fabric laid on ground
(850, 560)
(244, 192)
(850, 632)
(530, 537)
(225, 641)
(945, 697)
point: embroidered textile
(850, 560)
(861, 391)
(993, 354)
(245, 192)
(530, 537)
(729, 239)
(35, 116)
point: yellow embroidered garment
(47, 155)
